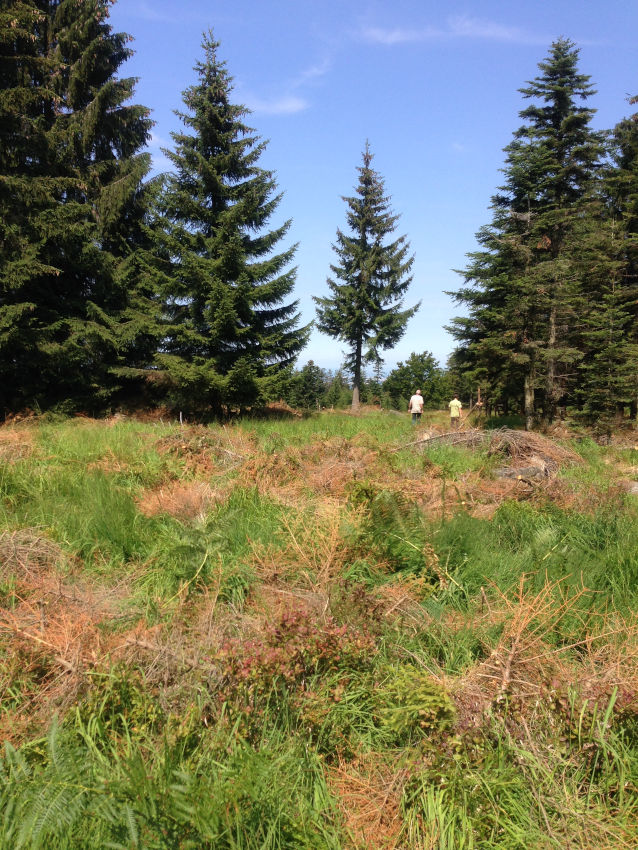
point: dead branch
(16, 630)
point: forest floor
(328, 632)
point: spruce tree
(364, 308)
(526, 285)
(607, 373)
(570, 152)
(621, 192)
(229, 331)
(70, 201)
(622, 182)
(338, 393)
(307, 388)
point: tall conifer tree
(373, 274)
(621, 191)
(229, 331)
(70, 202)
(608, 380)
(526, 281)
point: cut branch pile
(531, 449)
(201, 451)
(26, 553)
(526, 662)
(532, 455)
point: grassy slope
(313, 634)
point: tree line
(551, 294)
(118, 288)
(312, 387)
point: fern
(131, 825)
(69, 795)
(396, 529)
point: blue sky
(433, 86)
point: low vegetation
(331, 632)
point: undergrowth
(333, 646)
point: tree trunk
(529, 401)
(550, 395)
(356, 377)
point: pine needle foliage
(70, 201)
(525, 283)
(370, 279)
(228, 331)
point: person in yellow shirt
(455, 412)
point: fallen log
(521, 472)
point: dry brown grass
(50, 627)
(27, 553)
(323, 468)
(48, 645)
(609, 663)
(55, 627)
(369, 790)
(54, 643)
(313, 551)
(325, 471)
(204, 452)
(484, 495)
(16, 443)
(185, 500)
(402, 598)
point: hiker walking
(415, 406)
(455, 413)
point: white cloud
(465, 27)
(461, 26)
(314, 72)
(399, 35)
(289, 103)
(150, 12)
(286, 105)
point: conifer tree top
(371, 276)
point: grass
(309, 633)
(274, 434)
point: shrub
(411, 704)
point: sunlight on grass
(344, 641)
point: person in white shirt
(415, 406)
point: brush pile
(529, 454)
